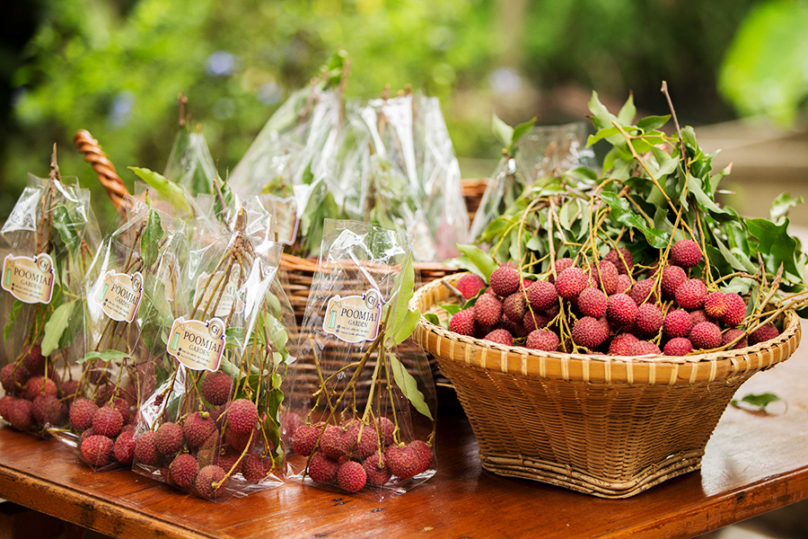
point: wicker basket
(473, 191)
(602, 425)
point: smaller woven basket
(602, 425)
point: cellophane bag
(130, 291)
(50, 238)
(541, 152)
(361, 415)
(212, 425)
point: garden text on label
(197, 344)
(354, 319)
(214, 289)
(29, 279)
(119, 294)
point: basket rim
(791, 328)
(312, 265)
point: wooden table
(754, 463)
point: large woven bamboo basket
(602, 425)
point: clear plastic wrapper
(212, 425)
(190, 164)
(130, 291)
(50, 238)
(362, 400)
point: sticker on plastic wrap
(119, 295)
(197, 344)
(209, 291)
(354, 319)
(29, 279)
(284, 218)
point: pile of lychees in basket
(616, 309)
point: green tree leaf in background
(781, 206)
(55, 326)
(150, 241)
(168, 190)
(480, 259)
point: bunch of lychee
(354, 455)
(210, 450)
(614, 308)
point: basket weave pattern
(603, 425)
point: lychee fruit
(5, 405)
(97, 450)
(239, 441)
(542, 339)
(198, 428)
(20, 414)
(623, 285)
(686, 253)
(644, 348)
(67, 389)
(335, 442)
(168, 438)
(124, 448)
(470, 285)
(560, 265)
(82, 412)
(622, 259)
(84, 435)
(34, 361)
(387, 428)
(691, 294)
(207, 481)
(514, 328)
(621, 310)
(644, 292)
(672, 278)
(621, 344)
(376, 470)
(403, 462)
(424, 453)
(146, 449)
(505, 281)
(698, 316)
(254, 468)
(322, 469)
(463, 322)
(588, 332)
(678, 323)
(705, 335)
(304, 439)
(216, 388)
(47, 410)
(13, 378)
(243, 416)
(366, 445)
(732, 334)
(764, 333)
(183, 470)
(715, 305)
(39, 385)
(592, 302)
(678, 346)
(736, 310)
(535, 320)
(649, 319)
(487, 310)
(107, 421)
(514, 307)
(351, 477)
(571, 282)
(604, 275)
(500, 336)
(123, 408)
(542, 295)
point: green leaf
(781, 206)
(628, 111)
(624, 214)
(451, 308)
(520, 131)
(775, 241)
(759, 401)
(502, 131)
(150, 242)
(165, 188)
(694, 186)
(403, 287)
(480, 259)
(433, 318)
(66, 227)
(55, 326)
(106, 356)
(15, 312)
(408, 386)
(651, 123)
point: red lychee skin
(216, 388)
(123, 407)
(621, 310)
(715, 305)
(124, 448)
(732, 334)
(107, 421)
(243, 416)
(542, 295)
(621, 344)
(571, 282)
(198, 428)
(376, 470)
(367, 444)
(304, 439)
(604, 275)
(322, 469)
(514, 328)
(81, 414)
(207, 479)
(535, 320)
(146, 449)
(168, 438)
(463, 322)
(691, 294)
(20, 414)
(698, 316)
(686, 253)
(487, 310)
(514, 307)
(67, 390)
(736, 310)
(678, 347)
(403, 462)
(34, 362)
(764, 333)
(97, 450)
(386, 427)
(705, 336)
(678, 323)
(5, 405)
(542, 339)
(588, 332)
(649, 319)
(672, 278)
(505, 281)
(560, 265)
(13, 378)
(592, 302)
(623, 285)
(644, 292)
(335, 442)
(183, 470)
(644, 348)
(351, 477)
(239, 441)
(254, 469)
(470, 285)
(47, 410)
(500, 336)
(84, 435)
(424, 453)
(625, 264)
(39, 385)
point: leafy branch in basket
(639, 259)
(355, 443)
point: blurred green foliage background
(115, 67)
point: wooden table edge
(80, 508)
